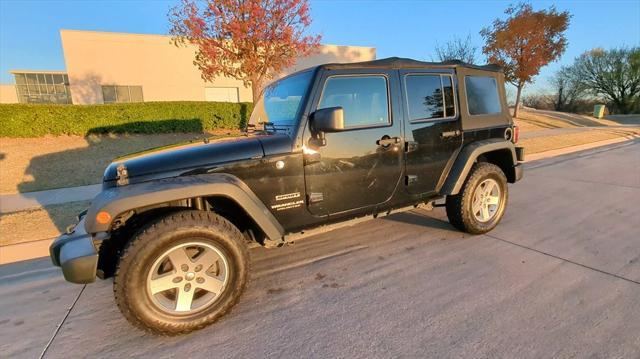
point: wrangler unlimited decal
(287, 196)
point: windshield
(281, 102)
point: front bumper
(76, 254)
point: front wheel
(181, 272)
(481, 203)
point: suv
(325, 145)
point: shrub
(35, 120)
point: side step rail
(290, 238)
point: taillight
(516, 134)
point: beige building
(8, 94)
(104, 67)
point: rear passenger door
(433, 130)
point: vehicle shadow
(420, 219)
(193, 125)
(84, 161)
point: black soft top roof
(403, 63)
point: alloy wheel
(187, 278)
(486, 200)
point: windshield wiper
(274, 128)
(250, 128)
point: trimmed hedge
(36, 120)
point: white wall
(165, 72)
(8, 94)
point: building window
(482, 95)
(33, 87)
(115, 93)
(221, 94)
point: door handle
(450, 134)
(386, 141)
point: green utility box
(598, 111)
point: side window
(429, 97)
(449, 101)
(364, 99)
(482, 95)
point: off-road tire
(459, 206)
(130, 286)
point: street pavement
(559, 277)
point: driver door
(361, 166)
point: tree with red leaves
(525, 42)
(249, 40)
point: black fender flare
(118, 200)
(467, 157)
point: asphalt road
(559, 277)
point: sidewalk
(22, 201)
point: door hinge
(310, 159)
(410, 146)
(411, 179)
(315, 197)
(450, 134)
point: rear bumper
(520, 154)
(519, 171)
(76, 254)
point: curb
(24, 251)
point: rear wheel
(181, 272)
(481, 203)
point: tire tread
(457, 212)
(146, 234)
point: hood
(174, 160)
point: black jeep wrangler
(325, 145)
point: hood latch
(122, 175)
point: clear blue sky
(30, 39)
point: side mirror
(330, 119)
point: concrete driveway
(560, 277)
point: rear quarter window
(429, 96)
(482, 95)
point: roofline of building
(169, 36)
(54, 72)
